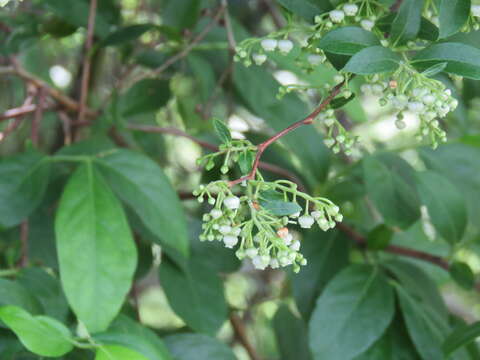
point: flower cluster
(258, 224)
(344, 14)
(412, 91)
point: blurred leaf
(406, 24)
(462, 274)
(141, 183)
(291, 335)
(198, 347)
(245, 161)
(40, 334)
(92, 233)
(307, 8)
(461, 59)
(126, 34)
(373, 60)
(453, 16)
(379, 238)
(181, 14)
(118, 352)
(193, 288)
(145, 96)
(445, 204)
(347, 40)
(341, 101)
(434, 69)
(280, 207)
(347, 305)
(393, 196)
(14, 293)
(222, 131)
(23, 181)
(327, 254)
(203, 74)
(461, 336)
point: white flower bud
(333, 210)
(292, 255)
(260, 263)
(274, 264)
(316, 214)
(338, 218)
(285, 46)
(400, 124)
(350, 9)
(416, 106)
(448, 92)
(329, 142)
(295, 246)
(384, 42)
(337, 79)
(230, 241)
(377, 89)
(400, 101)
(236, 231)
(366, 88)
(216, 213)
(367, 24)
(288, 239)
(259, 59)
(251, 252)
(232, 202)
(295, 215)
(323, 223)
(336, 16)
(269, 44)
(419, 92)
(475, 9)
(225, 229)
(314, 59)
(306, 221)
(428, 99)
(329, 121)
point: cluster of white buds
(428, 99)
(337, 137)
(345, 14)
(257, 232)
(266, 45)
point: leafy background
(97, 222)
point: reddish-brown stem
(37, 117)
(241, 335)
(23, 261)
(306, 121)
(87, 61)
(18, 112)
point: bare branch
(241, 335)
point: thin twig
(37, 117)
(306, 121)
(18, 112)
(241, 334)
(23, 261)
(67, 127)
(396, 5)
(87, 60)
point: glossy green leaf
(291, 335)
(307, 8)
(96, 251)
(446, 205)
(280, 207)
(118, 352)
(461, 59)
(126, 34)
(453, 16)
(222, 130)
(379, 238)
(14, 293)
(462, 274)
(341, 101)
(347, 40)
(461, 336)
(180, 14)
(406, 24)
(428, 30)
(342, 324)
(435, 69)
(393, 196)
(23, 181)
(198, 347)
(145, 96)
(245, 161)
(39, 334)
(141, 183)
(195, 287)
(327, 254)
(373, 60)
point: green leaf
(373, 60)
(426, 330)
(222, 131)
(118, 352)
(194, 288)
(342, 326)
(130, 334)
(203, 74)
(146, 96)
(280, 207)
(461, 336)
(446, 205)
(23, 181)
(341, 101)
(406, 24)
(393, 196)
(245, 161)
(291, 335)
(198, 347)
(14, 293)
(461, 59)
(327, 253)
(453, 16)
(434, 69)
(306, 8)
(180, 14)
(379, 238)
(347, 40)
(96, 251)
(428, 30)
(141, 183)
(462, 274)
(39, 334)
(126, 34)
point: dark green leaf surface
(406, 24)
(352, 313)
(461, 59)
(347, 40)
(14, 293)
(39, 334)
(92, 233)
(462, 274)
(461, 336)
(372, 60)
(453, 16)
(222, 130)
(118, 352)
(446, 205)
(145, 96)
(141, 183)
(307, 8)
(126, 34)
(23, 181)
(280, 207)
(198, 347)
